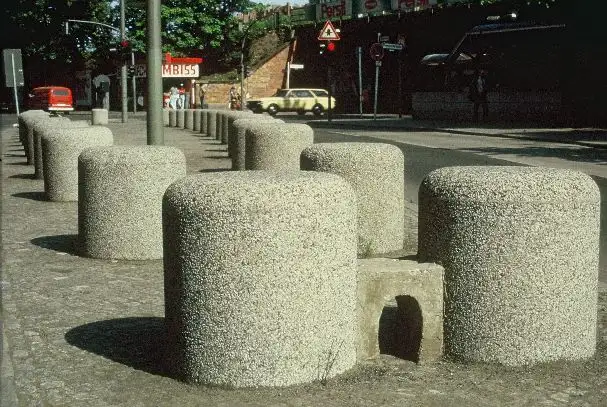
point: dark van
(51, 99)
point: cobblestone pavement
(86, 332)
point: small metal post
(359, 52)
(15, 83)
(377, 65)
(134, 83)
(155, 126)
(123, 70)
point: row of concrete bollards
(262, 282)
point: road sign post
(377, 53)
(329, 33)
(13, 72)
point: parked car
(293, 100)
(51, 99)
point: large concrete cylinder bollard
(26, 121)
(276, 146)
(219, 124)
(229, 118)
(172, 118)
(236, 140)
(520, 248)
(376, 171)
(204, 119)
(40, 127)
(60, 151)
(120, 199)
(189, 119)
(100, 117)
(283, 246)
(165, 117)
(197, 120)
(211, 123)
(180, 118)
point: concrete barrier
(60, 151)
(172, 118)
(197, 120)
(276, 146)
(236, 140)
(189, 119)
(283, 246)
(211, 117)
(204, 120)
(120, 199)
(376, 171)
(520, 248)
(227, 128)
(165, 117)
(50, 124)
(26, 121)
(400, 309)
(100, 117)
(180, 118)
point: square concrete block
(400, 309)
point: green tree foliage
(37, 27)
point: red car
(51, 99)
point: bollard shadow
(215, 170)
(400, 329)
(35, 196)
(23, 176)
(138, 342)
(60, 243)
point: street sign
(171, 71)
(392, 47)
(296, 66)
(13, 67)
(328, 32)
(377, 51)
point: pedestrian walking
(478, 94)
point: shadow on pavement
(60, 243)
(138, 342)
(215, 170)
(22, 176)
(36, 196)
(589, 155)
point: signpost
(329, 33)
(377, 53)
(171, 71)
(13, 72)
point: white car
(293, 100)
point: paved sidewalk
(86, 332)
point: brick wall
(263, 82)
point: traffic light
(125, 49)
(131, 70)
(327, 48)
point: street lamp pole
(155, 129)
(123, 73)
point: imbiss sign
(175, 67)
(172, 71)
(180, 71)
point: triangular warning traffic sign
(328, 33)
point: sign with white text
(172, 71)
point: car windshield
(281, 93)
(60, 92)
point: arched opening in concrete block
(400, 328)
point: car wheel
(272, 110)
(301, 112)
(317, 110)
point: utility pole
(155, 127)
(123, 72)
